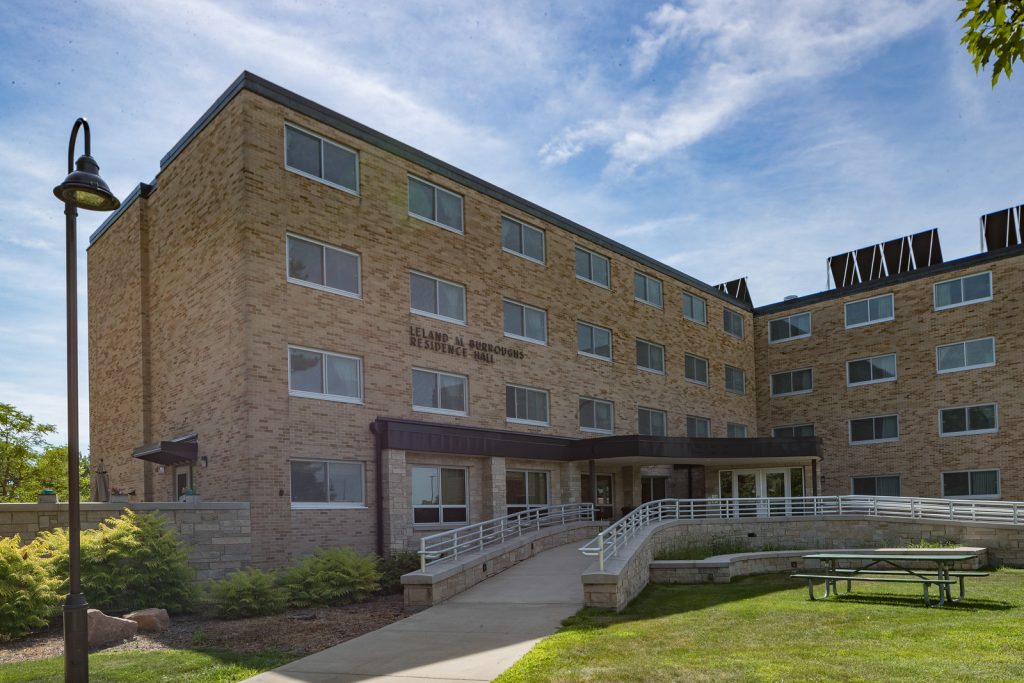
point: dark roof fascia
(141, 190)
(681, 447)
(886, 282)
(318, 112)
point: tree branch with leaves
(994, 32)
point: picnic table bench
(942, 576)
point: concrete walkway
(472, 637)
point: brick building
(368, 344)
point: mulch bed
(298, 631)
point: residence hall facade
(369, 345)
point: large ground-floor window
(652, 488)
(440, 495)
(525, 490)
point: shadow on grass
(890, 600)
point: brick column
(397, 501)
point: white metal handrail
(612, 539)
(448, 545)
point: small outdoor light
(82, 188)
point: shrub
(333, 576)
(393, 566)
(247, 593)
(28, 595)
(129, 562)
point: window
(525, 490)
(966, 355)
(650, 356)
(439, 495)
(734, 430)
(318, 374)
(698, 427)
(695, 308)
(525, 405)
(439, 392)
(871, 370)
(793, 431)
(525, 322)
(522, 239)
(696, 369)
(735, 380)
(980, 419)
(435, 204)
(875, 429)
(652, 488)
(595, 415)
(320, 483)
(888, 485)
(647, 289)
(321, 266)
(796, 326)
(318, 158)
(437, 298)
(792, 382)
(732, 322)
(592, 267)
(962, 291)
(652, 422)
(971, 484)
(593, 341)
(868, 311)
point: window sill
(966, 368)
(594, 282)
(987, 496)
(325, 288)
(606, 359)
(523, 256)
(789, 339)
(870, 382)
(322, 181)
(962, 304)
(650, 370)
(436, 224)
(872, 442)
(973, 432)
(592, 430)
(870, 322)
(329, 506)
(440, 411)
(532, 423)
(793, 393)
(435, 316)
(697, 382)
(694, 320)
(325, 397)
(528, 340)
(660, 307)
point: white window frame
(647, 279)
(872, 381)
(437, 188)
(663, 413)
(981, 496)
(440, 506)
(611, 345)
(968, 431)
(528, 505)
(523, 226)
(730, 425)
(700, 298)
(726, 312)
(849, 430)
(593, 254)
(869, 322)
(794, 426)
(324, 397)
(440, 411)
(705, 420)
(325, 246)
(663, 361)
(935, 291)
(743, 374)
(596, 430)
(965, 368)
(810, 327)
(437, 316)
(539, 342)
(524, 421)
(771, 384)
(329, 506)
(707, 370)
(323, 141)
(899, 478)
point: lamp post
(82, 188)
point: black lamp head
(85, 188)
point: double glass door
(761, 492)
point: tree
(28, 464)
(994, 28)
(50, 471)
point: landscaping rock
(104, 630)
(152, 620)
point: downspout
(378, 452)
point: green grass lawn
(763, 628)
(151, 666)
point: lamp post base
(76, 639)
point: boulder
(151, 620)
(104, 630)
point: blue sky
(726, 139)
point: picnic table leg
(927, 597)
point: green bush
(393, 566)
(129, 562)
(333, 576)
(28, 595)
(247, 593)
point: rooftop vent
(737, 289)
(902, 255)
(790, 297)
(1002, 228)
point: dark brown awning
(168, 453)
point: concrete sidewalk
(473, 637)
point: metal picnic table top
(902, 557)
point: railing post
(423, 555)
(480, 537)
(455, 544)
(600, 552)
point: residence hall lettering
(442, 342)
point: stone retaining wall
(218, 534)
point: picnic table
(893, 567)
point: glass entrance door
(761, 484)
(776, 485)
(604, 506)
(745, 485)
